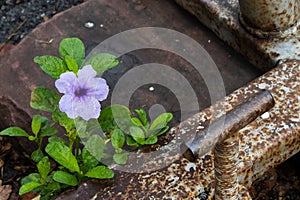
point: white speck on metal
(190, 166)
(266, 115)
(89, 25)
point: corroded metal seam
(264, 144)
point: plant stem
(145, 131)
(77, 147)
(40, 142)
(71, 144)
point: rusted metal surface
(225, 136)
(235, 120)
(222, 17)
(265, 143)
(268, 18)
(226, 155)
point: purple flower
(82, 93)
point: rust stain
(268, 141)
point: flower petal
(86, 73)
(87, 107)
(66, 105)
(65, 84)
(97, 88)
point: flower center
(80, 92)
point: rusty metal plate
(264, 144)
(222, 17)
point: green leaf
(36, 123)
(44, 167)
(57, 139)
(162, 131)
(28, 187)
(95, 145)
(81, 128)
(51, 65)
(37, 155)
(32, 138)
(49, 131)
(102, 62)
(136, 121)
(121, 158)
(160, 122)
(63, 155)
(151, 140)
(117, 138)
(48, 191)
(115, 116)
(14, 131)
(89, 161)
(74, 48)
(65, 178)
(85, 129)
(131, 142)
(100, 172)
(143, 116)
(71, 64)
(44, 99)
(137, 134)
(63, 120)
(33, 177)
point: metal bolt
(225, 139)
(226, 160)
(234, 120)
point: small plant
(79, 112)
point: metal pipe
(268, 17)
(219, 129)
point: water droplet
(151, 89)
(89, 24)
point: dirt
(19, 17)
(15, 165)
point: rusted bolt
(268, 17)
(226, 155)
(226, 142)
